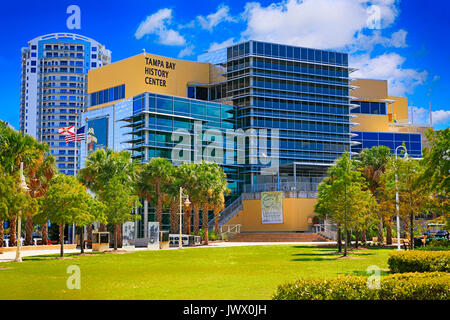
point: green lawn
(251, 272)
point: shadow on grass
(363, 273)
(315, 259)
(56, 256)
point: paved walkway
(10, 256)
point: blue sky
(405, 41)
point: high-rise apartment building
(53, 94)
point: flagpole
(75, 169)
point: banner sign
(153, 235)
(272, 207)
(128, 233)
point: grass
(250, 272)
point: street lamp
(396, 194)
(186, 203)
(24, 188)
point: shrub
(407, 286)
(211, 235)
(419, 261)
(436, 245)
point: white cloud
(213, 19)
(388, 67)
(216, 46)
(364, 42)
(188, 51)
(441, 116)
(323, 24)
(157, 24)
(422, 116)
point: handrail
(325, 231)
(229, 212)
(230, 228)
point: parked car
(436, 231)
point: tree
(156, 174)
(342, 195)
(17, 148)
(213, 185)
(120, 203)
(40, 173)
(372, 162)
(414, 195)
(104, 165)
(68, 202)
(436, 174)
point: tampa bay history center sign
(157, 71)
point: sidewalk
(10, 256)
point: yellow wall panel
(370, 89)
(400, 108)
(371, 122)
(296, 212)
(149, 73)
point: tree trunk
(2, 232)
(12, 231)
(61, 239)
(174, 218)
(389, 231)
(380, 237)
(82, 239)
(356, 239)
(205, 223)
(103, 227)
(119, 236)
(346, 233)
(339, 238)
(89, 232)
(115, 236)
(187, 221)
(29, 231)
(196, 219)
(364, 235)
(44, 230)
(216, 222)
(411, 231)
(158, 210)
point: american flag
(79, 136)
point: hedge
(405, 286)
(419, 261)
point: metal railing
(230, 229)
(228, 213)
(327, 230)
(282, 186)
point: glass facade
(156, 117)
(369, 107)
(412, 141)
(303, 93)
(108, 95)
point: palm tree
(187, 177)
(213, 183)
(102, 166)
(373, 164)
(16, 148)
(156, 174)
(40, 175)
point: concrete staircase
(278, 237)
